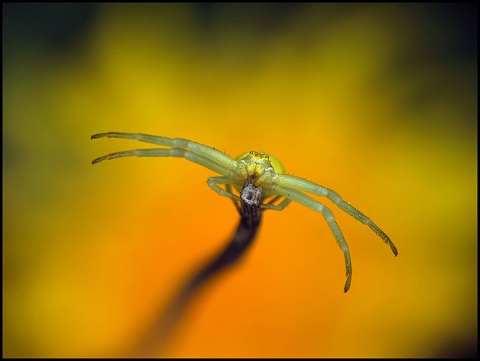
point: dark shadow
(157, 338)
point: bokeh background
(377, 101)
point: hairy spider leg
(228, 188)
(329, 217)
(290, 181)
(172, 152)
(277, 207)
(213, 182)
(223, 162)
(269, 205)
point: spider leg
(277, 207)
(160, 152)
(309, 202)
(213, 182)
(290, 181)
(228, 188)
(215, 156)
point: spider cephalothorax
(259, 168)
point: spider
(264, 170)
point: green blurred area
(376, 101)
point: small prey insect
(263, 170)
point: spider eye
(276, 165)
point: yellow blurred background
(377, 102)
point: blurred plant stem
(156, 339)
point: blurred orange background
(377, 102)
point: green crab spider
(266, 173)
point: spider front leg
(309, 202)
(161, 152)
(204, 152)
(289, 181)
(359, 216)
